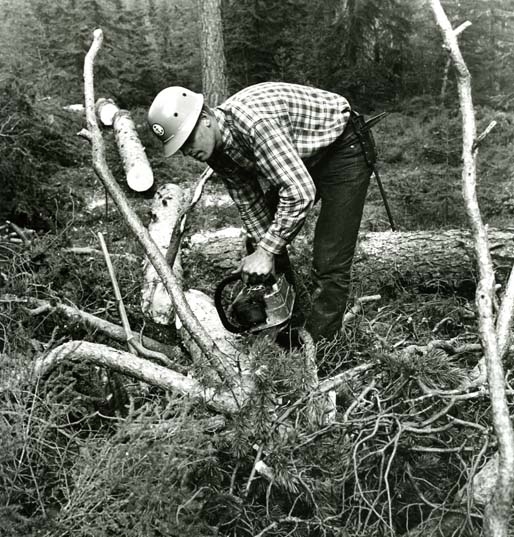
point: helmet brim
(172, 145)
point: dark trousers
(342, 179)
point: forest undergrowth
(88, 452)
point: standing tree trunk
(214, 68)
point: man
(293, 141)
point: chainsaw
(244, 308)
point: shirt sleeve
(278, 161)
(250, 201)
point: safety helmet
(173, 116)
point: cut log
(166, 207)
(423, 260)
(106, 109)
(138, 172)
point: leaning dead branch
(116, 288)
(189, 321)
(498, 510)
(161, 353)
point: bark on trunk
(430, 259)
(427, 260)
(214, 79)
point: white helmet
(173, 116)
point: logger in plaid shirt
(278, 148)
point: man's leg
(342, 179)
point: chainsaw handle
(218, 295)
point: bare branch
(461, 28)
(184, 312)
(138, 368)
(498, 510)
(482, 137)
(117, 292)
(165, 353)
(84, 133)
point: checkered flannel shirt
(269, 133)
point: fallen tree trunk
(426, 260)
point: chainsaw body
(253, 308)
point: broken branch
(183, 310)
(138, 368)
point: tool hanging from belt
(362, 129)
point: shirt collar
(226, 134)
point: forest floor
(90, 453)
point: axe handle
(384, 199)
(362, 129)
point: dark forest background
(381, 54)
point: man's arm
(256, 217)
(249, 198)
(279, 162)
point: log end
(140, 177)
(106, 110)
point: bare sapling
(499, 508)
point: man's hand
(255, 267)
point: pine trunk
(214, 79)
